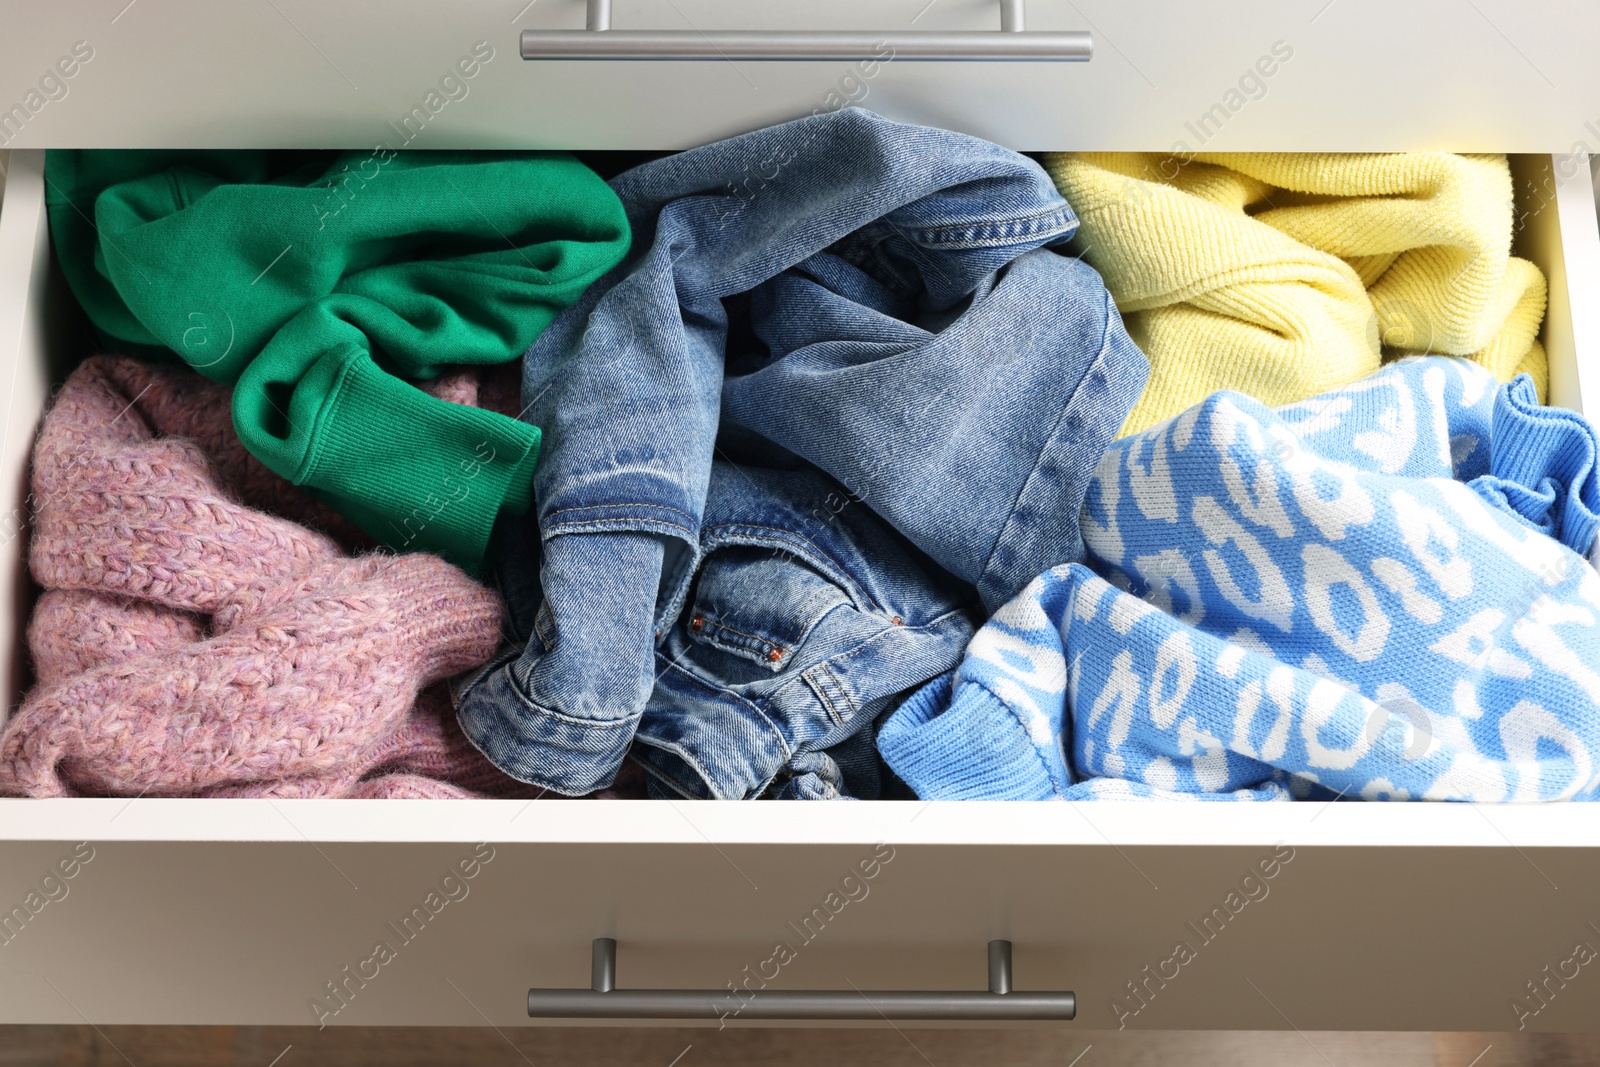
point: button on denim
(963, 393)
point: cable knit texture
(189, 644)
(1284, 275)
(73, 630)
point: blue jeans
(877, 296)
(808, 618)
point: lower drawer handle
(1013, 42)
(604, 1001)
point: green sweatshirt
(315, 282)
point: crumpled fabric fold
(188, 644)
(1332, 599)
(1284, 275)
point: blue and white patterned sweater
(1371, 594)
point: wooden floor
(245, 1046)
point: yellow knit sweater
(1285, 275)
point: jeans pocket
(759, 603)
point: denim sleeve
(977, 441)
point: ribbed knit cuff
(1546, 466)
(420, 474)
(971, 747)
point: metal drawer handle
(600, 41)
(605, 1001)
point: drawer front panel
(1277, 923)
(1313, 75)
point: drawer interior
(242, 911)
(43, 335)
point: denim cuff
(562, 714)
(537, 745)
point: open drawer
(1373, 916)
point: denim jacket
(965, 406)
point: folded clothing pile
(1380, 593)
(188, 643)
(1284, 275)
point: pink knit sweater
(189, 644)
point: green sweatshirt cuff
(417, 473)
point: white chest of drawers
(1385, 917)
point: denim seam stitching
(534, 706)
(998, 241)
(580, 524)
(539, 626)
(990, 223)
(483, 745)
(926, 628)
(827, 667)
(1066, 408)
(785, 649)
(682, 578)
(861, 593)
(610, 507)
(991, 234)
(820, 691)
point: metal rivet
(697, 623)
(775, 655)
(898, 621)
